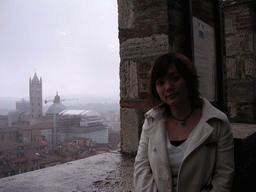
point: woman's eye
(160, 83)
(176, 78)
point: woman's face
(172, 89)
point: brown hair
(184, 67)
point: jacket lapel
(202, 131)
(157, 137)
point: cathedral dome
(56, 107)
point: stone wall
(143, 36)
(148, 29)
(240, 61)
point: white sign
(205, 58)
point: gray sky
(72, 44)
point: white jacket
(208, 163)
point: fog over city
(72, 45)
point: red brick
(145, 66)
(143, 95)
(133, 104)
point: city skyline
(73, 46)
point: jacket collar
(155, 128)
(209, 112)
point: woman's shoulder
(210, 112)
(155, 112)
(153, 115)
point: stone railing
(105, 172)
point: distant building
(35, 100)
(26, 148)
(22, 106)
(13, 117)
(16, 158)
(21, 115)
(3, 121)
(25, 117)
(76, 148)
(81, 123)
(114, 139)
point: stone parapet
(105, 172)
(245, 156)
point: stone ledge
(241, 130)
(105, 172)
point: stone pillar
(143, 36)
(240, 61)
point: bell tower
(35, 100)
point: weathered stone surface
(125, 14)
(128, 80)
(240, 43)
(229, 25)
(245, 156)
(241, 130)
(143, 47)
(129, 130)
(232, 109)
(240, 61)
(105, 172)
(249, 67)
(231, 68)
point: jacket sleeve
(224, 169)
(143, 177)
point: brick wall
(240, 61)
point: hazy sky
(72, 44)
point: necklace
(183, 121)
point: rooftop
(85, 113)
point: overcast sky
(72, 44)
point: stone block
(244, 113)
(129, 133)
(125, 14)
(229, 26)
(240, 91)
(249, 67)
(232, 109)
(128, 80)
(143, 47)
(247, 43)
(231, 47)
(239, 44)
(231, 68)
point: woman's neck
(181, 111)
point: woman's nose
(169, 86)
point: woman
(186, 144)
